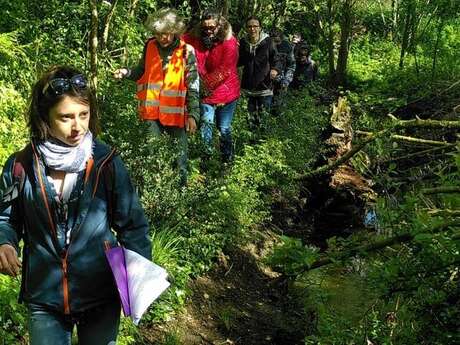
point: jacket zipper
(65, 282)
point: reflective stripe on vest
(162, 93)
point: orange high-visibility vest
(161, 94)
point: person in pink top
(216, 50)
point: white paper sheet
(146, 282)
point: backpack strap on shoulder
(19, 174)
(108, 177)
(22, 162)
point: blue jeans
(97, 326)
(257, 107)
(223, 116)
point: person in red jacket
(216, 50)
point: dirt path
(240, 302)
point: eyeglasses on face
(59, 86)
(252, 26)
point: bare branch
(410, 139)
(445, 212)
(420, 153)
(328, 167)
(107, 21)
(441, 190)
(417, 122)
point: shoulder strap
(108, 176)
(21, 163)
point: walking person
(259, 58)
(287, 65)
(296, 41)
(167, 83)
(56, 199)
(216, 51)
(306, 68)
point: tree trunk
(382, 15)
(107, 21)
(406, 33)
(346, 27)
(93, 44)
(436, 48)
(394, 19)
(330, 40)
(132, 10)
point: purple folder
(139, 281)
(116, 258)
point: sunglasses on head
(59, 86)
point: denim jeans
(258, 107)
(156, 129)
(97, 326)
(223, 116)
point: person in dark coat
(64, 210)
(306, 69)
(287, 63)
(260, 61)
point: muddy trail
(240, 302)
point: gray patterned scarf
(60, 156)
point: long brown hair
(42, 101)
(224, 25)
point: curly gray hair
(166, 20)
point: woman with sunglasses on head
(217, 56)
(72, 191)
(167, 82)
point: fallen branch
(415, 154)
(373, 136)
(424, 123)
(446, 212)
(331, 166)
(439, 190)
(410, 139)
(377, 245)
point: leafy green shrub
(13, 132)
(12, 314)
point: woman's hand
(120, 73)
(9, 262)
(190, 126)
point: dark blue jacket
(74, 278)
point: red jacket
(217, 68)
